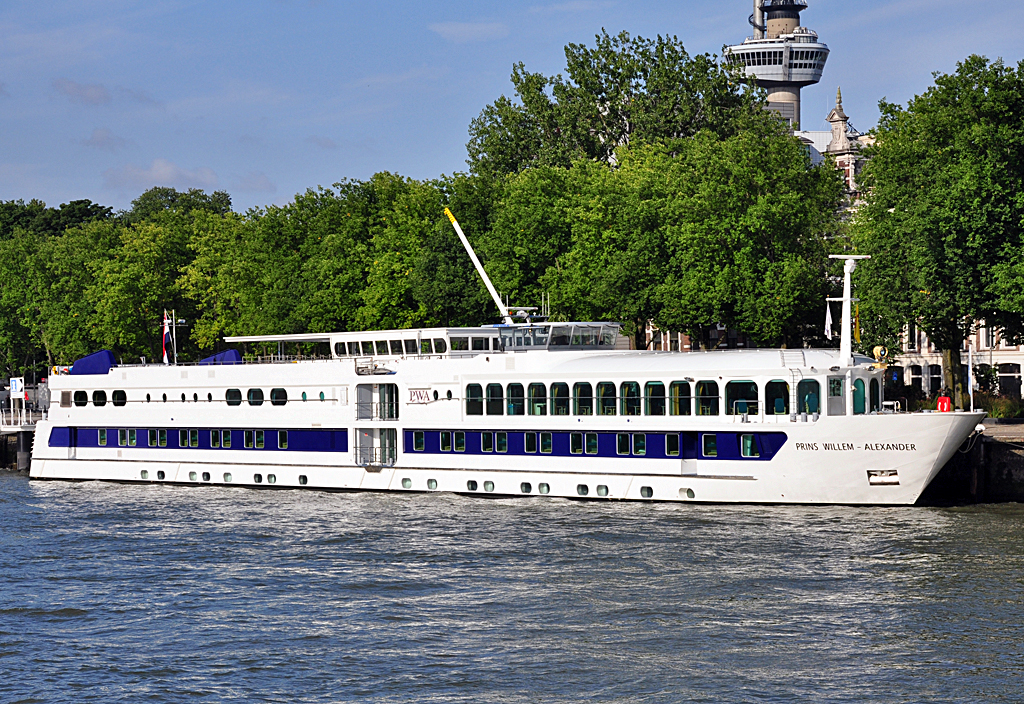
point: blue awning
(225, 357)
(96, 363)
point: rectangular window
(225, 439)
(248, 439)
(672, 445)
(486, 442)
(396, 347)
(606, 399)
(480, 343)
(411, 347)
(576, 443)
(710, 445)
(591, 443)
(559, 399)
(654, 398)
(418, 442)
(122, 437)
(707, 398)
(151, 437)
(516, 400)
(545, 442)
(501, 440)
(446, 441)
(182, 438)
(103, 436)
(353, 349)
(132, 437)
(193, 438)
(382, 347)
(531, 442)
(639, 444)
(495, 400)
(214, 438)
(282, 439)
(622, 443)
(748, 446)
(474, 400)
(426, 347)
(680, 403)
(367, 349)
(460, 441)
(459, 344)
(259, 439)
(162, 433)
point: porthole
(183, 398)
(543, 488)
(435, 395)
(303, 480)
(278, 397)
(233, 397)
(192, 476)
(209, 398)
(81, 398)
(431, 483)
(449, 394)
(686, 493)
(582, 489)
(525, 487)
(646, 492)
(255, 397)
(471, 485)
(147, 398)
(144, 474)
(258, 478)
(119, 398)
(165, 398)
(488, 486)
(321, 395)
(160, 475)
(195, 398)
(271, 479)
(206, 476)
(99, 398)
(602, 490)
(227, 477)
(407, 483)
(303, 396)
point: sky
(103, 99)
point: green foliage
(944, 210)
(161, 199)
(624, 90)
(34, 216)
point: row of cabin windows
(233, 397)
(398, 348)
(626, 443)
(679, 398)
(251, 439)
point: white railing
(385, 456)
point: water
(114, 593)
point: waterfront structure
(782, 56)
(997, 362)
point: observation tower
(782, 57)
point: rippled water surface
(113, 593)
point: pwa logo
(419, 395)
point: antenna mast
(480, 269)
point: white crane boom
(480, 268)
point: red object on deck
(945, 404)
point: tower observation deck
(782, 57)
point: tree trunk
(952, 375)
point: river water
(112, 593)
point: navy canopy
(96, 363)
(225, 357)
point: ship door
(376, 447)
(72, 443)
(836, 396)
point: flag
(828, 321)
(856, 324)
(167, 336)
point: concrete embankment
(986, 469)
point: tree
(944, 209)
(163, 198)
(623, 90)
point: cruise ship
(526, 409)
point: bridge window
(679, 401)
(516, 400)
(460, 344)
(606, 399)
(278, 397)
(538, 405)
(367, 348)
(233, 397)
(339, 349)
(255, 397)
(495, 400)
(396, 347)
(559, 399)
(776, 398)
(426, 347)
(654, 398)
(382, 347)
(99, 398)
(353, 349)
(81, 398)
(740, 398)
(808, 391)
(583, 399)
(440, 346)
(411, 347)
(474, 400)
(480, 343)
(119, 398)
(707, 398)
(630, 391)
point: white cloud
(160, 173)
(256, 182)
(104, 139)
(463, 32)
(322, 142)
(87, 94)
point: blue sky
(102, 99)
